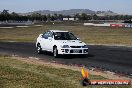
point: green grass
(19, 74)
(94, 35)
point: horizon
(61, 10)
(118, 6)
(55, 10)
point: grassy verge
(19, 74)
(95, 35)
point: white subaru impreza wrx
(60, 43)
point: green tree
(44, 18)
(14, 16)
(84, 16)
(5, 15)
(60, 17)
(36, 16)
(95, 17)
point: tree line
(6, 16)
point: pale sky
(118, 6)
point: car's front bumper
(73, 51)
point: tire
(55, 52)
(39, 49)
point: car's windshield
(64, 36)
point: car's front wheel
(39, 49)
(55, 52)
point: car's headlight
(85, 46)
(65, 46)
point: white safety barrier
(103, 25)
(91, 24)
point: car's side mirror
(78, 38)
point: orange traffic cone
(85, 81)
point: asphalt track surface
(111, 58)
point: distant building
(65, 19)
(70, 19)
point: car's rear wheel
(39, 49)
(55, 52)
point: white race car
(60, 42)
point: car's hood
(71, 42)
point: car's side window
(47, 34)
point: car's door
(44, 41)
(47, 41)
(50, 41)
